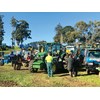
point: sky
(42, 24)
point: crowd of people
(71, 61)
(18, 58)
(28, 58)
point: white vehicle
(71, 48)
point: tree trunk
(61, 38)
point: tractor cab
(52, 47)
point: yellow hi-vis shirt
(68, 51)
(49, 59)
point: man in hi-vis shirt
(49, 60)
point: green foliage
(14, 25)
(13, 22)
(20, 31)
(67, 29)
(71, 36)
(81, 26)
(84, 32)
(1, 29)
(94, 31)
(59, 34)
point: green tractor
(39, 60)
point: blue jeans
(49, 69)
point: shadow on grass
(82, 75)
(65, 74)
(87, 74)
(24, 69)
(39, 71)
(82, 70)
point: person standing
(75, 66)
(28, 59)
(12, 58)
(70, 65)
(49, 60)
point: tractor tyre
(31, 63)
(31, 69)
(1, 63)
(31, 66)
(54, 68)
(35, 69)
(18, 67)
(88, 71)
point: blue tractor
(92, 60)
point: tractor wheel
(31, 69)
(30, 65)
(1, 63)
(88, 71)
(54, 68)
(97, 72)
(35, 69)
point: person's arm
(46, 60)
(52, 59)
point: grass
(23, 78)
(16, 48)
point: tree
(13, 24)
(1, 29)
(72, 36)
(93, 31)
(20, 32)
(85, 33)
(59, 36)
(96, 35)
(67, 29)
(81, 27)
(66, 32)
